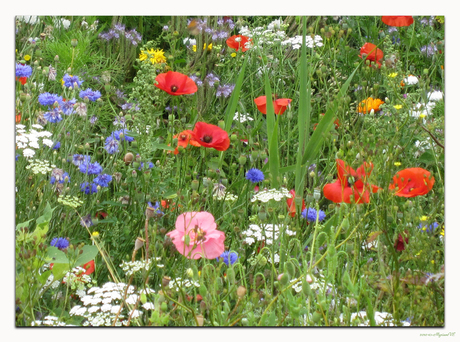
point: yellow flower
(95, 234)
(398, 106)
(155, 56)
(27, 57)
(204, 47)
(393, 75)
(233, 54)
(397, 164)
(422, 115)
(442, 231)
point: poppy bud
(262, 214)
(128, 158)
(165, 281)
(138, 243)
(233, 137)
(241, 291)
(221, 124)
(195, 184)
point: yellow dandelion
(27, 57)
(397, 107)
(95, 234)
(423, 116)
(393, 74)
(397, 164)
(424, 218)
(233, 54)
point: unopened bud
(128, 158)
(138, 243)
(165, 281)
(74, 42)
(241, 291)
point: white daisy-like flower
(28, 153)
(242, 117)
(435, 95)
(411, 80)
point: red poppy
(101, 215)
(412, 182)
(291, 204)
(184, 138)
(336, 122)
(23, 80)
(175, 83)
(208, 135)
(350, 182)
(279, 105)
(89, 267)
(169, 204)
(372, 53)
(18, 118)
(394, 20)
(400, 243)
(238, 42)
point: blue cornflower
(69, 81)
(91, 169)
(79, 159)
(17, 157)
(86, 221)
(53, 115)
(67, 107)
(103, 180)
(429, 229)
(92, 95)
(56, 145)
(60, 243)
(60, 178)
(151, 166)
(255, 175)
(229, 258)
(23, 70)
(310, 214)
(48, 99)
(111, 145)
(141, 166)
(116, 135)
(88, 188)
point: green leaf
(427, 157)
(233, 102)
(89, 253)
(158, 146)
(59, 270)
(48, 213)
(23, 224)
(57, 256)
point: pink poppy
(196, 236)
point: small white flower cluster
(272, 194)
(256, 233)
(181, 283)
(40, 166)
(29, 140)
(77, 280)
(101, 305)
(242, 117)
(132, 267)
(296, 42)
(51, 321)
(261, 36)
(28, 19)
(64, 22)
(381, 319)
(411, 80)
(219, 193)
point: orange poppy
(18, 118)
(350, 182)
(366, 106)
(208, 135)
(184, 138)
(175, 83)
(394, 20)
(279, 105)
(238, 42)
(291, 204)
(412, 182)
(371, 53)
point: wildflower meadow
(230, 171)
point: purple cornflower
(70, 81)
(103, 180)
(23, 70)
(111, 145)
(86, 221)
(60, 243)
(91, 168)
(67, 107)
(79, 159)
(92, 95)
(88, 188)
(210, 79)
(151, 166)
(53, 115)
(255, 175)
(225, 90)
(310, 214)
(47, 99)
(229, 258)
(56, 145)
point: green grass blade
(272, 133)
(231, 108)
